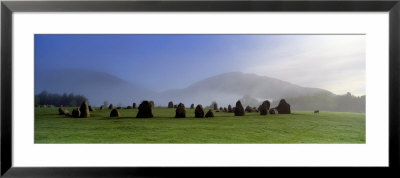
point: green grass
(298, 127)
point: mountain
(96, 86)
(227, 88)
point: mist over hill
(335, 103)
(225, 88)
(96, 86)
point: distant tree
(72, 103)
(37, 101)
(338, 103)
(46, 98)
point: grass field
(298, 127)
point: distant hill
(227, 88)
(96, 86)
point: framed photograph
(159, 88)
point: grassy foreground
(298, 127)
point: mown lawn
(298, 127)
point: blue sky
(161, 62)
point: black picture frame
(8, 7)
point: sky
(161, 62)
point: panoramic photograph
(199, 89)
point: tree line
(46, 98)
(322, 101)
(335, 103)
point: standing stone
(175, 106)
(225, 110)
(84, 110)
(209, 113)
(129, 107)
(230, 108)
(220, 108)
(76, 113)
(114, 113)
(199, 111)
(248, 109)
(239, 111)
(101, 107)
(152, 104)
(283, 107)
(180, 111)
(134, 106)
(145, 110)
(119, 107)
(192, 106)
(255, 109)
(111, 106)
(90, 108)
(264, 107)
(67, 113)
(170, 104)
(273, 111)
(61, 111)
(215, 106)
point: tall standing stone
(134, 106)
(192, 106)
(283, 107)
(180, 111)
(215, 106)
(152, 104)
(84, 110)
(76, 112)
(230, 108)
(239, 111)
(170, 104)
(145, 110)
(111, 106)
(199, 111)
(264, 107)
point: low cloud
(334, 62)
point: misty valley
(199, 88)
(225, 89)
